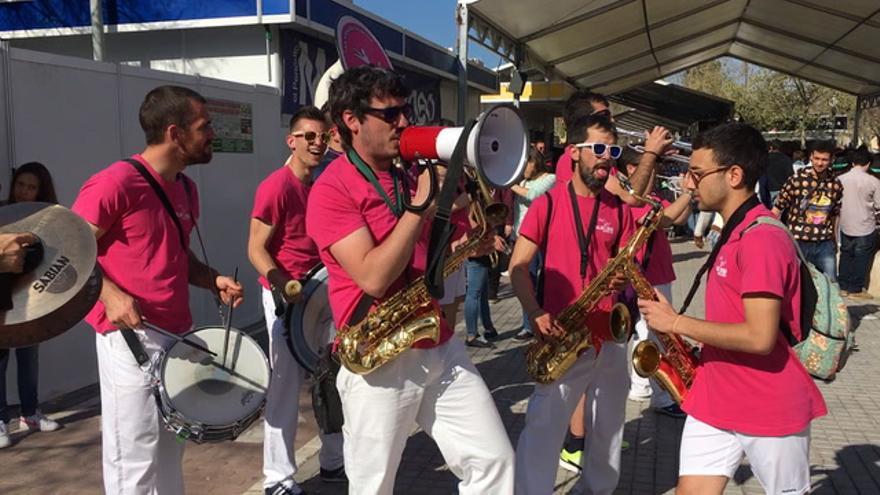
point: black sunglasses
(391, 115)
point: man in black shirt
(779, 169)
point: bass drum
(309, 322)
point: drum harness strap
(137, 348)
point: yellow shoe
(571, 461)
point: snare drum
(206, 403)
(309, 322)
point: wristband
(675, 323)
(649, 152)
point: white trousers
(646, 387)
(781, 464)
(281, 413)
(440, 390)
(140, 457)
(606, 382)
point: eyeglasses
(599, 149)
(697, 178)
(391, 115)
(311, 136)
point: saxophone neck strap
(583, 239)
(395, 206)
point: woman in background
(30, 182)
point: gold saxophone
(548, 360)
(409, 315)
(675, 369)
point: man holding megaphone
(373, 246)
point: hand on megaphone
(424, 191)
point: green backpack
(827, 338)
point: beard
(590, 180)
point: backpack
(827, 339)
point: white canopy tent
(614, 45)
(610, 46)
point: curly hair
(354, 89)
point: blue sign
(304, 60)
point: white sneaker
(39, 422)
(5, 441)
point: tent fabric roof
(613, 45)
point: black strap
(162, 196)
(441, 227)
(616, 246)
(647, 260)
(134, 343)
(738, 216)
(583, 240)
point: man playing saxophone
(579, 226)
(373, 247)
(751, 396)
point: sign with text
(233, 126)
(305, 59)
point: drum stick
(229, 321)
(182, 340)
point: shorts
(780, 464)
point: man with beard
(281, 251)
(373, 248)
(147, 264)
(581, 213)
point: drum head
(205, 393)
(311, 325)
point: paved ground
(845, 450)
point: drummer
(148, 265)
(280, 251)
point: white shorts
(780, 464)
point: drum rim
(312, 283)
(166, 401)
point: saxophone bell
(620, 322)
(646, 359)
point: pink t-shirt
(659, 270)
(758, 395)
(140, 250)
(342, 202)
(281, 201)
(563, 167)
(563, 283)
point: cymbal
(60, 284)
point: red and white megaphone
(497, 146)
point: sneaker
(334, 475)
(624, 445)
(571, 461)
(282, 489)
(5, 441)
(490, 334)
(672, 410)
(524, 335)
(39, 422)
(477, 342)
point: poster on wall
(304, 60)
(233, 126)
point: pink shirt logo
(721, 267)
(605, 226)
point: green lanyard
(396, 207)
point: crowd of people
(566, 222)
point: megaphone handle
(432, 176)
